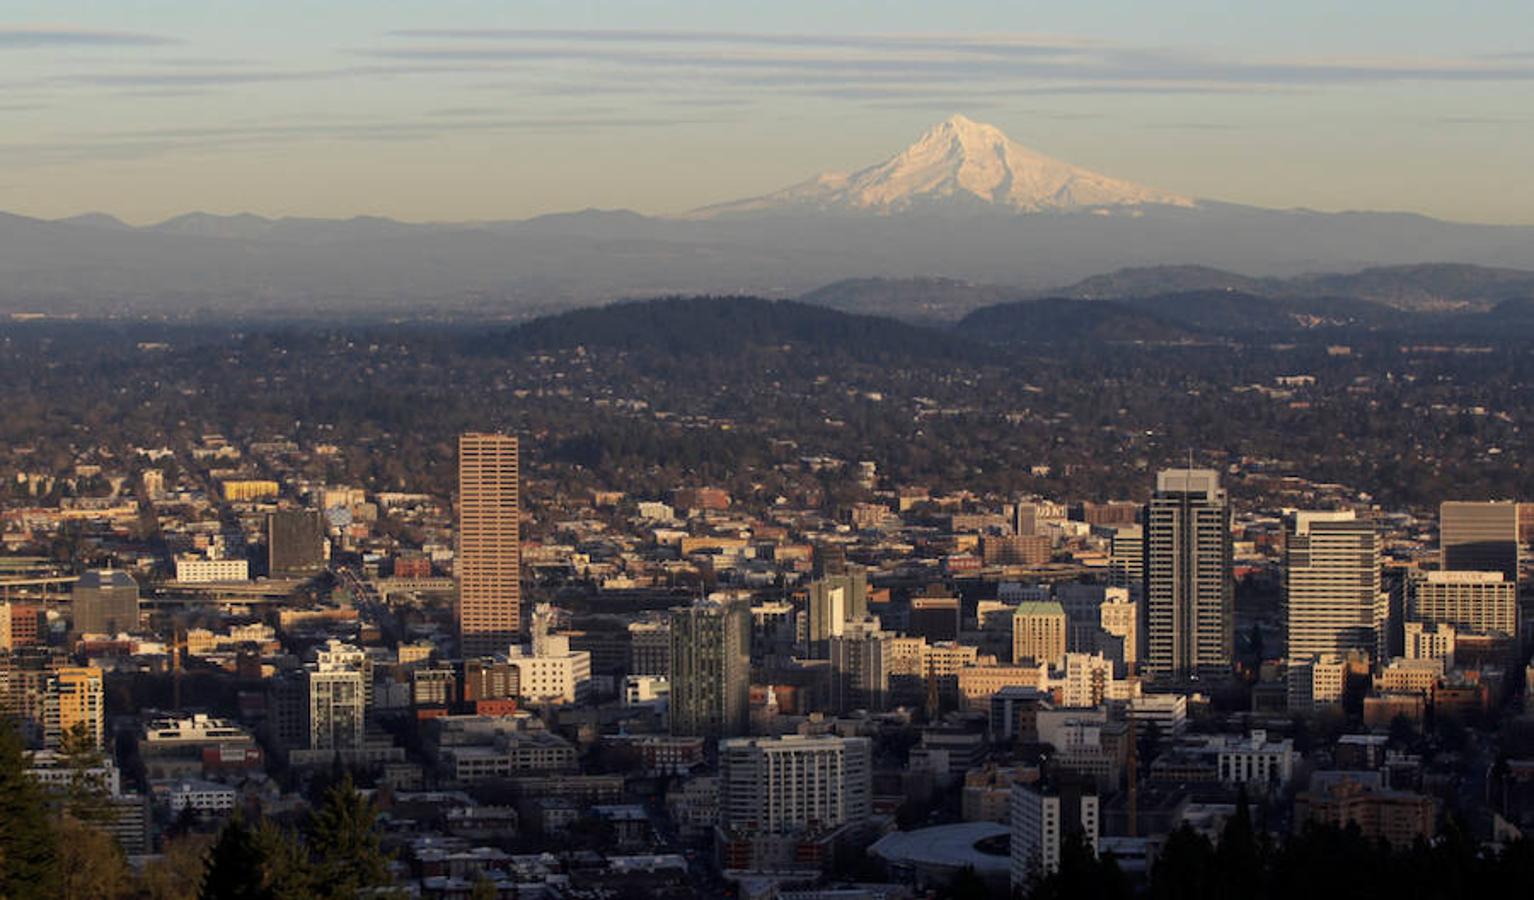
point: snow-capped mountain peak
(959, 162)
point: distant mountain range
(963, 218)
(1440, 288)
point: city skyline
(676, 449)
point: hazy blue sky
(472, 110)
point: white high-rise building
(1189, 594)
(1043, 816)
(337, 706)
(783, 785)
(1332, 595)
(1482, 602)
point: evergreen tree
(91, 862)
(178, 873)
(266, 862)
(236, 865)
(286, 868)
(87, 796)
(1082, 875)
(1185, 869)
(28, 852)
(344, 843)
(1239, 856)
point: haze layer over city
(817, 451)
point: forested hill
(1071, 321)
(719, 326)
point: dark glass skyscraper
(1189, 595)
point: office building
(485, 679)
(247, 490)
(1043, 815)
(548, 671)
(1410, 676)
(1036, 516)
(1014, 712)
(1126, 557)
(1119, 619)
(1399, 818)
(794, 783)
(105, 601)
(489, 554)
(1169, 712)
(860, 677)
(1038, 633)
(710, 668)
(81, 702)
(1332, 591)
(649, 648)
(1189, 593)
(297, 543)
(336, 690)
(1316, 682)
(187, 746)
(29, 693)
(1083, 614)
(1088, 680)
(1253, 760)
(935, 618)
(1479, 537)
(433, 686)
(26, 624)
(1430, 642)
(1482, 602)
(1112, 513)
(1015, 550)
(835, 599)
(205, 570)
(58, 772)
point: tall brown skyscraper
(489, 557)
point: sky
(450, 110)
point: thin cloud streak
(46, 38)
(143, 143)
(957, 62)
(1007, 44)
